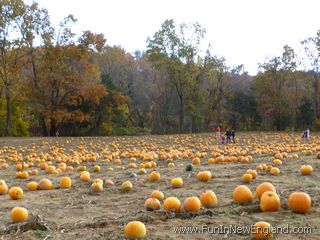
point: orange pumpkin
(246, 177)
(192, 204)
(299, 202)
(45, 184)
(97, 186)
(19, 214)
(135, 230)
(196, 161)
(126, 186)
(306, 169)
(177, 182)
(208, 199)
(242, 195)
(85, 176)
(16, 193)
(96, 168)
(270, 202)
(262, 230)
(152, 204)
(158, 195)
(3, 187)
(172, 204)
(204, 176)
(32, 186)
(275, 171)
(277, 162)
(253, 173)
(263, 187)
(65, 182)
(154, 176)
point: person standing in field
(228, 134)
(218, 131)
(222, 139)
(233, 134)
(307, 133)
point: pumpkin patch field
(160, 187)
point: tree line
(54, 81)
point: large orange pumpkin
(19, 214)
(65, 182)
(299, 202)
(306, 169)
(208, 199)
(135, 230)
(32, 186)
(192, 204)
(45, 184)
(204, 176)
(154, 176)
(270, 202)
(263, 187)
(242, 195)
(172, 204)
(152, 204)
(16, 193)
(262, 231)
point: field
(81, 213)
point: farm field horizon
(85, 212)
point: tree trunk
(9, 111)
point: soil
(79, 213)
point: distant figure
(228, 134)
(292, 133)
(57, 133)
(307, 133)
(218, 131)
(223, 138)
(233, 134)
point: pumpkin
(204, 176)
(189, 168)
(196, 161)
(171, 165)
(19, 214)
(142, 171)
(269, 202)
(152, 204)
(85, 176)
(45, 184)
(126, 186)
(98, 180)
(299, 202)
(65, 182)
(109, 182)
(306, 169)
(263, 187)
(318, 155)
(277, 162)
(208, 199)
(96, 168)
(253, 173)
(3, 187)
(242, 195)
(16, 193)
(32, 186)
(157, 194)
(172, 204)
(43, 166)
(177, 182)
(192, 204)
(135, 230)
(154, 176)
(262, 230)
(246, 177)
(97, 186)
(275, 171)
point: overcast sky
(242, 31)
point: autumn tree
(172, 50)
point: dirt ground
(78, 213)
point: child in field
(223, 138)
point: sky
(242, 31)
